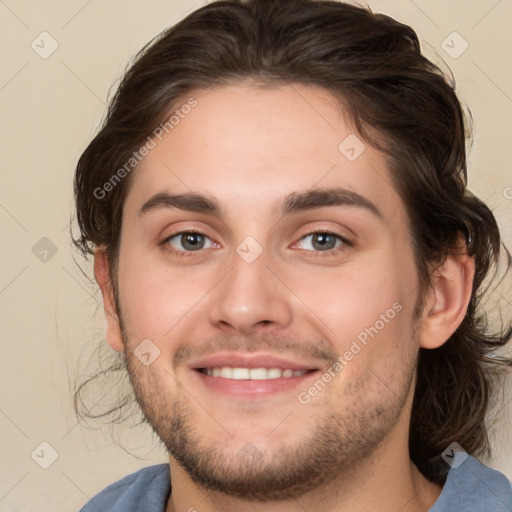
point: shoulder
(148, 487)
(473, 487)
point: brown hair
(399, 102)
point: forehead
(250, 145)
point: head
(289, 179)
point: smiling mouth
(238, 373)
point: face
(268, 272)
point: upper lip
(241, 360)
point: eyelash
(344, 243)
(183, 254)
(312, 253)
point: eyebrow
(293, 203)
(191, 202)
(318, 198)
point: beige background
(49, 110)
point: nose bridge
(250, 296)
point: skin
(249, 147)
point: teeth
(258, 373)
(240, 373)
(226, 372)
(274, 373)
(235, 373)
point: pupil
(192, 241)
(323, 241)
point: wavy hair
(399, 101)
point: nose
(250, 299)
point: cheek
(154, 300)
(374, 324)
(365, 307)
(354, 297)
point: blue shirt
(471, 487)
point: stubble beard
(335, 444)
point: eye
(188, 241)
(322, 241)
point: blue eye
(323, 241)
(189, 241)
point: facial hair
(341, 439)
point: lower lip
(252, 388)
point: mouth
(240, 373)
(251, 375)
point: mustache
(319, 350)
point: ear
(447, 301)
(102, 275)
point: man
(291, 267)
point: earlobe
(102, 275)
(447, 301)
